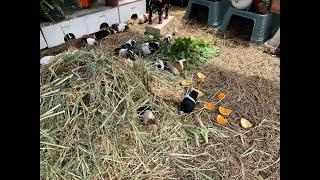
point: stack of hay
(88, 109)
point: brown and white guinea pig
(147, 114)
(189, 102)
(168, 38)
(160, 64)
(178, 67)
(120, 27)
(143, 18)
(101, 34)
(149, 48)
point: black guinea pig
(189, 102)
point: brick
(159, 29)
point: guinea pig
(143, 18)
(149, 47)
(134, 16)
(178, 67)
(124, 52)
(88, 41)
(189, 102)
(69, 37)
(147, 114)
(101, 34)
(46, 60)
(168, 38)
(104, 26)
(120, 27)
(129, 44)
(160, 64)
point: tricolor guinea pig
(69, 37)
(120, 27)
(46, 60)
(189, 102)
(143, 18)
(149, 47)
(147, 115)
(101, 34)
(168, 38)
(179, 66)
(160, 64)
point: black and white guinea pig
(129, 44)
(168, 38)
(149, 47)
(147, 114)
(160, 64)
(189, 102)
(88, 41)
(101, 34)
(120, 27)
(69, 37)
(124, 52)
(179, 66)
(104, 26)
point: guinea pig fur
(149, 47)
(160, 64)
(147, 115)
(120, 27)
(189, 102)
(129, 44)
(143, 18)
(124, 52)
(168, 38)
(101, 34)
(69, 37)
(178, 67)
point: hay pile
(89, 125)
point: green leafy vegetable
(193, 49)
